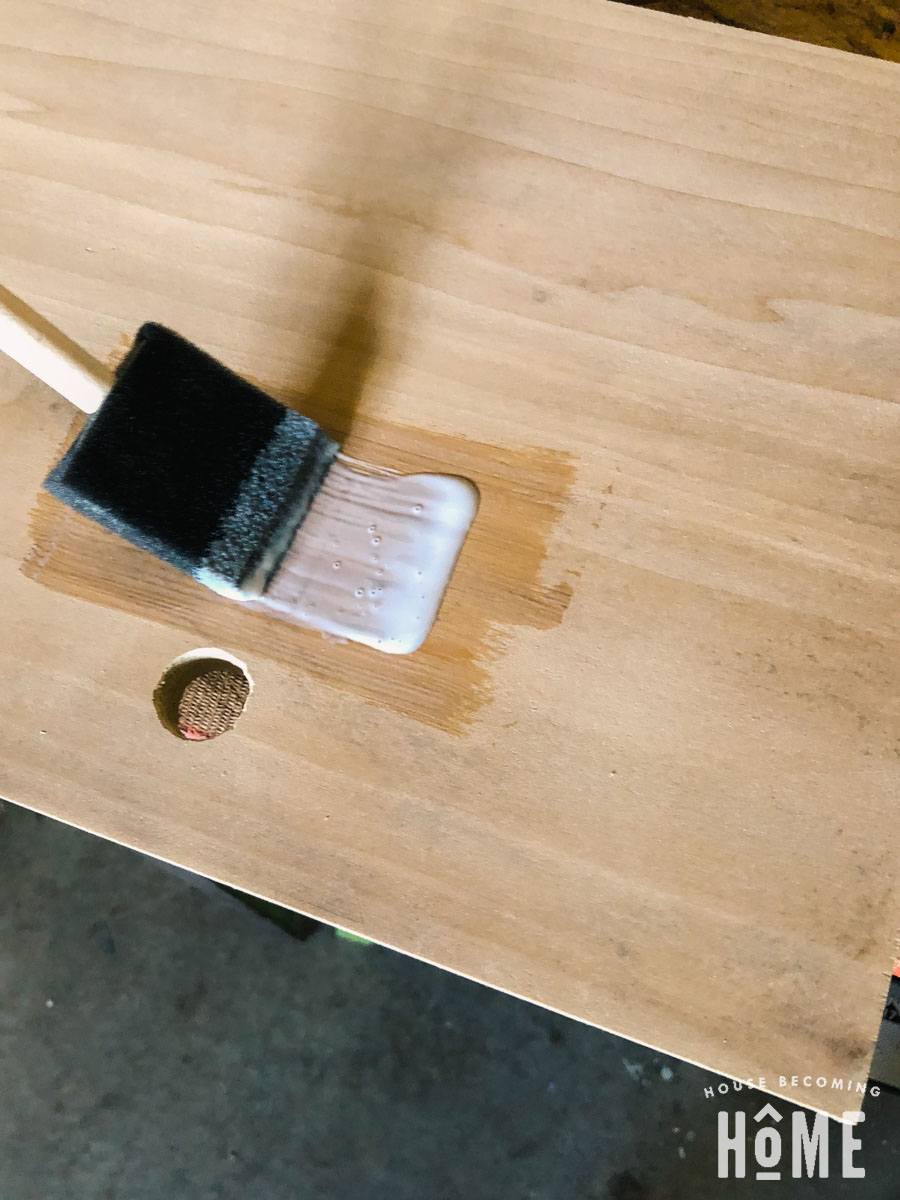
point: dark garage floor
(161, 1043)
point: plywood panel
(636, 277)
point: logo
(798, 1150)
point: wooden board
(636, 277)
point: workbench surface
(636, 277)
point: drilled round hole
(201, 694)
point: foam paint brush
(188, 461)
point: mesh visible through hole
(212, 702)
(201, 694)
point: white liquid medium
(374, 555)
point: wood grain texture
(660, 257)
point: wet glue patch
(374, 555)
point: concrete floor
(161, 1043)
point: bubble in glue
(359, 592)
(372, 528)
(336, 566)
(376, 541)
(417, 508)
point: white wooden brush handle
(41, 349)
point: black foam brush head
(189, 461)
